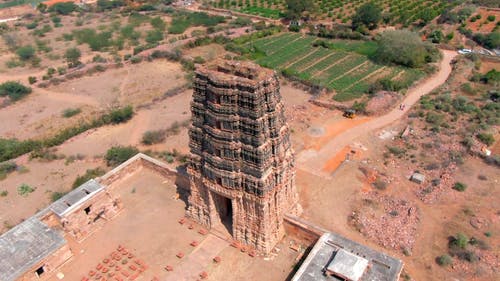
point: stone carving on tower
(242, 166)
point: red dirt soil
(482, 24)
(334, 130)
(314, 162)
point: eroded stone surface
(242, 169)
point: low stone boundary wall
(139, 161)
(303, 229)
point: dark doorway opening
(224, 208)
(39, 271)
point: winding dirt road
(315, 160)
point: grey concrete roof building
(334, 257)
(25, 245)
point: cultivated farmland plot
(402, 12)
(347, 72)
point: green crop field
(402, 12)
(13, 3)
(343, 67)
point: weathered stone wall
(50, 264)
(83, 221)
(241, 150)
(121, 172)
(302, 229)
(138, 162)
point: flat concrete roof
(75, 198)
(25, 245)
(382, 267)
(347, 265)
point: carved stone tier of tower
(242, 166)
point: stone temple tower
(242, 166)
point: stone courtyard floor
(148, 229)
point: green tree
(297, 9)
(444, 260)
(14, 90)
(436, 36)
(459, 186)
(428, 14)
(63, 8)
(461, 240)
(154, 36)
(72, 57)
(119, 154)
(26, 53)
(486, 138)
(42, 7)
(368, 15)
(491, 77)
(404, 48)
(109, 4)
(492, 40)
(119, 115)
(158, 24)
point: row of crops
(13, 3)
(348, 72)
(402, 12)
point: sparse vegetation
(119, 154)
(486, 138)
(158, 136)
(72, 56)
(56, 195)
(444, 260)
(24, 190)
(26, 53)
(63, 8)
(460, 186)
(11, 148)
(153, 137)
(7, 168)
(396, 151)
(89, 174)
(14, 90)
(183, 20)
(380, 184)
(70, 112)
(119, 115)
(460, 240)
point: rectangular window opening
(39, 271)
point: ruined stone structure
(81, 211)
(34, 249)
(242, 168)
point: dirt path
(314, 160)
(58, 96)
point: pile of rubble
(489, 265)
(441, 183)
(389, 221)
(382, 102)
(297, 113)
